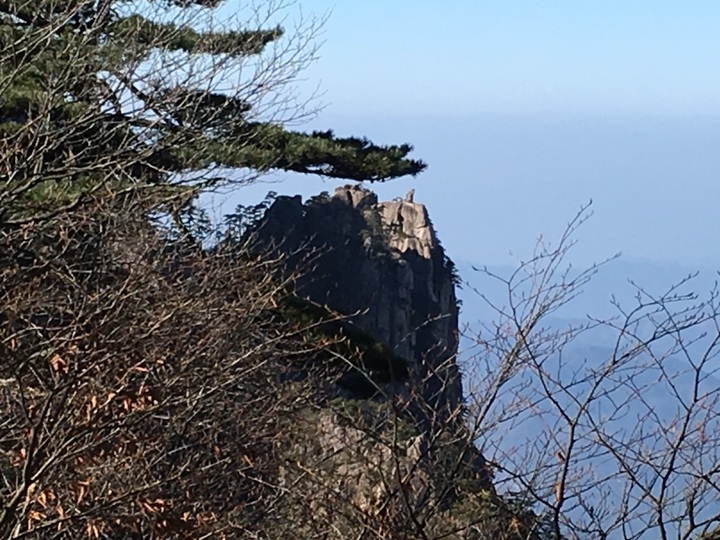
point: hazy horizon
(524, 112)
(497, 182)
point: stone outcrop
(381, 265)
(388, 442)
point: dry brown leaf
(34, 515)
(109, 398)
(20, 457)
(81, 489)
(58, 364)
(92, 530)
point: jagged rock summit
(397, 450)
(381, 265)
(407, 222)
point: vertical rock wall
(379, 263)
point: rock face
(394, 456)
(379, 263)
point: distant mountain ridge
(648, 399)
(612, 279)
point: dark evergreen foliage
(83, 103)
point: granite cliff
(394, 449)
(381, 265)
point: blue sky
(567, 56)
(525, 110)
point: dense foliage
(104, 96)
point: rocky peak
(356, 196)
(407, 223)
(380, 264)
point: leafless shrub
(139, 383)
(613, 443)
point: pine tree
(139, 387)
(100, 96)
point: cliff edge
(381, 265)
(393, 447)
